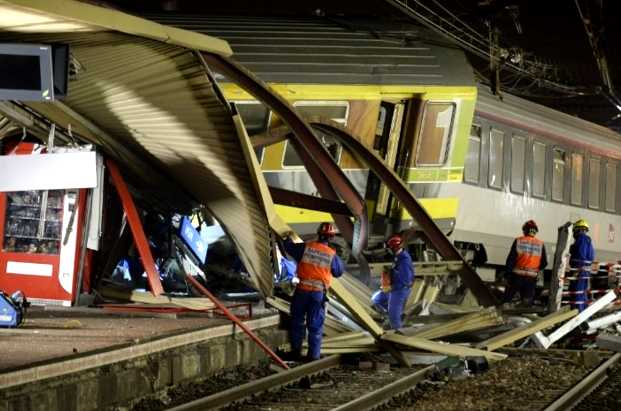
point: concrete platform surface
(54, 334)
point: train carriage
(479, 172)
(410, 100)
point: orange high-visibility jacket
(314, 270)
(529, 250)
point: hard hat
(326, 230)
(581, 224)
(530, 225)
(394, 242)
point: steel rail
(270, 382)
(574, 395)
(437, 238)
(386, 393)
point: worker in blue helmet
(395, 283)
(581, 256)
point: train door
(386, 145)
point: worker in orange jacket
(524, 262)
(317, 264)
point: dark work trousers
(307, 312)
(523, 285)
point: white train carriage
(526, 161)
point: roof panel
(153, 107)
(317, 50)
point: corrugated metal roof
(152, 102)
(61, 16)
(319, 50)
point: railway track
(575, 395)
(328, 384)
(321, 385)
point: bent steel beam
(293, 199)
(135, 225)
(437, 238)
(306, 143)
(235, 319)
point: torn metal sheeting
(545, 342)
(325, 173)
(526, 330)
(199, 304)
(63, 16)
(439, 241)
(442, 348)
(160, 115)
(609, 342)
(603, 322)
(470, 322)
(355, 308)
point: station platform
(87, 358)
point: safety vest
(386, 281)
(314, 270)
(529, 250)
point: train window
(539, 169)
(256, 119)
(473, 157)
(435, 134)
(558, 175)
(594, 171)
(577, 166)
(518, 156)
(335, 111)
(611, 186)
(496, 138)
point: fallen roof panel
(153, 108)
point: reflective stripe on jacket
(529, 250)
(315, 266)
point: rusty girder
(437, 238)
(329, 179)
(294, 199)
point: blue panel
(9, 315)
(192, 238)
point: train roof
(333, 51)
(546, 121)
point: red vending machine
(39, 245)
(40, 235)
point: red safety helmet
(326, 230)
(394, 242)
(529, 226)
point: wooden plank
(355, 308)
(526, 330)
(448, 349)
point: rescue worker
(581, 256)
(396, 283)
(317, 264)
(524, 262)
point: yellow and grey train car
(409, 100)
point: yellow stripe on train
(438, 208)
